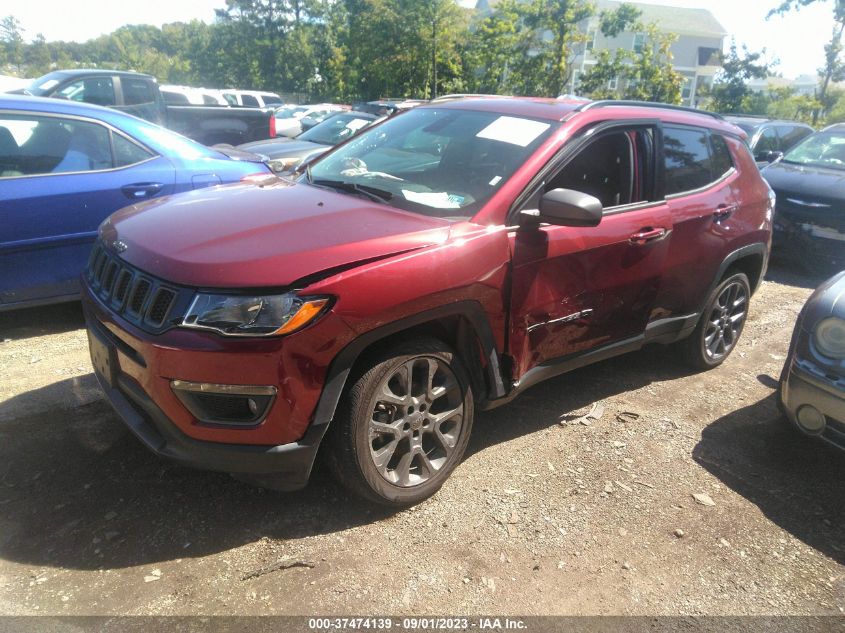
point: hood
(259, 147)
(268, 235)
(813, 182)
(277, 148)
(236, 153)
(808, 194)
(827, 300)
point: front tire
(403, 425)
(721, 323)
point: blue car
(64, 168)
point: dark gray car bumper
(801, 387)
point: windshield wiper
(373, 193)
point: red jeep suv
(437, 264)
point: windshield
(438, 162)
(44, 84)
(335, 129)
(286, 113)
(823, 149)
(747, 128)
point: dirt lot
(542, 517)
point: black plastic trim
(564, 364)
(757, 248)
(592, 105)
(342, 365)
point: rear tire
(403, 424)
(720, 325)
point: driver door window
(616, 168)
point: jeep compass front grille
(138, 297)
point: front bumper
(802, 386)
(290, 464)
(798, 239)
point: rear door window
(688, 164)
(96, 90)
(40, 145)
(722, 160)
(127, 152)
(249, 101)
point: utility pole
(434, 54)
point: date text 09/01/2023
(415, 624)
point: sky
(797, 40)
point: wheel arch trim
(342, 365)
(758, 249)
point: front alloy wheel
(403, 425)
(417, 417)
(721, 324)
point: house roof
(671, 19)
(674, 19)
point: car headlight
(243, 315)
(830, 337)
(281, 165)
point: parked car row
(291, 121)
(140, 95)
(64, 167)
(285, 154)
(436, 264)
(412, 270)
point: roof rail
(646, 104)
(461, 96)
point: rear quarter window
(688, 164)
(127, 152)
(722, 161)
(137, 91)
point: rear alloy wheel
(404, 425)
(721, 324)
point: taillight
(272, 126)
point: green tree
(783, 103)
(37, 57)
(490, 50)
(644, 74)
(553, 39)
(393, 47)
(730, 92)
(834, 67)
(11, 42)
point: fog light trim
(811, 420)
(232, 406)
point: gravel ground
(548, 514)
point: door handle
(140, 190)
(648, 235)
(724, 211)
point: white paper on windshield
(434, 199)
(356, 124)
(508, 129)
(49, 84)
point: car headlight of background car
(242, 315)
(830, 337)
(281, 165)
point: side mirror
(768, 156)
(565, 207)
